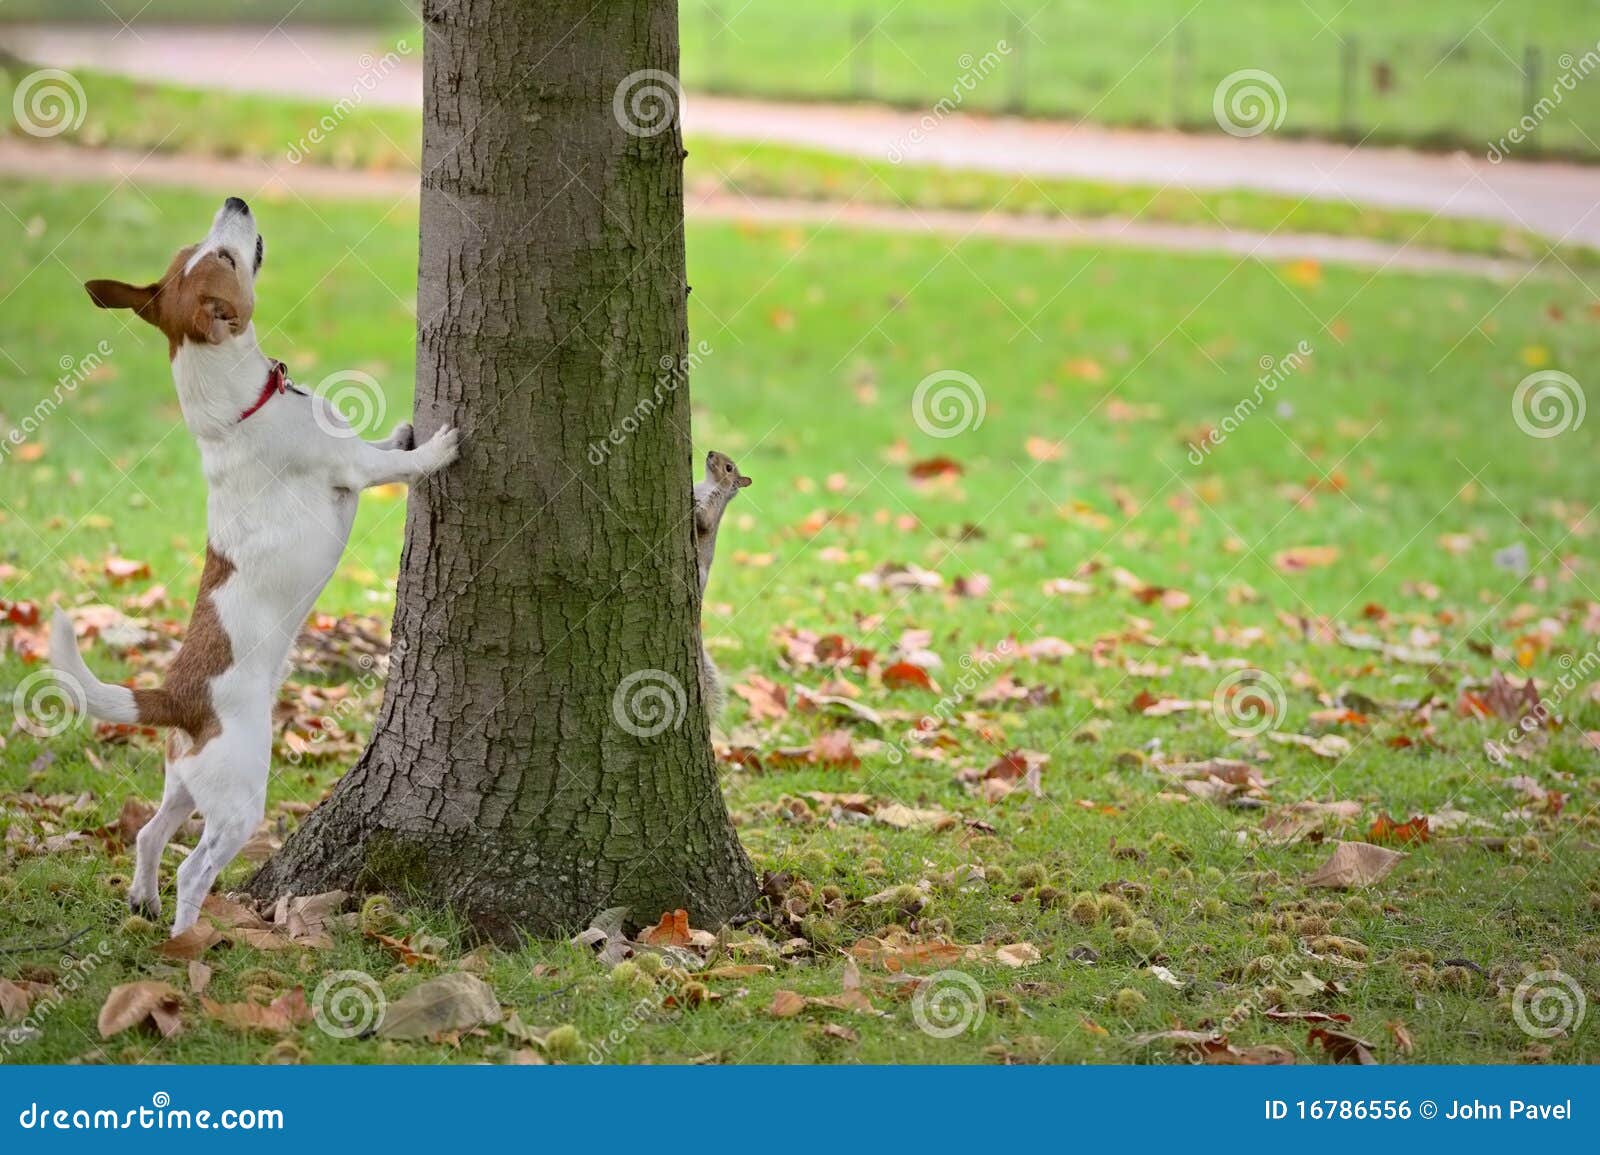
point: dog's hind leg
(144, 896)
(224, 837)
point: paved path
(1561, 201)
(261, 180)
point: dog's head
(207, 294)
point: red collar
(277, 382)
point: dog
(283, 470)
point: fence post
(1349, 66)
(1531, 64)
(1017, 98)
(1178, 77)
(861, 56)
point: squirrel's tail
(88, 693)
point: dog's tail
(88, 693)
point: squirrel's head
(722, 472)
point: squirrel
(722, 483)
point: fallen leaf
(133, 1004)
(1354, 864)
(672, 930)
(450, 1002)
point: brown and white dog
(283, 470)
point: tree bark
(543, 752)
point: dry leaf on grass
(192, 943)
(133, 1004)
(450, 1002)
(286, 1012)
(1354, 864)
(1019, 954)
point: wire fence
(1466, 91)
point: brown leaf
(282, 1015)
(134, 1004)
(786, 1004)
(1354, 864)
(1341, 1047)
(453, 1001)
(1386, 830)
(903, 675)
(766, 698)
(192, 943)
(1019, 954)
(672, 930)
(1305, 557)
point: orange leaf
(672, 930)
(904, 674)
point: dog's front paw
(442, 448)
(403, 437)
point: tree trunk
(543, 751)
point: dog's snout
(236, 205)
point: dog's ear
(121, 295)
(213, 320)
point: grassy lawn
(1435, 71)
(131, 114)
(1115, 579)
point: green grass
(1433, 72)
(818, 340)
(131, 114)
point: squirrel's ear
(744, 481)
